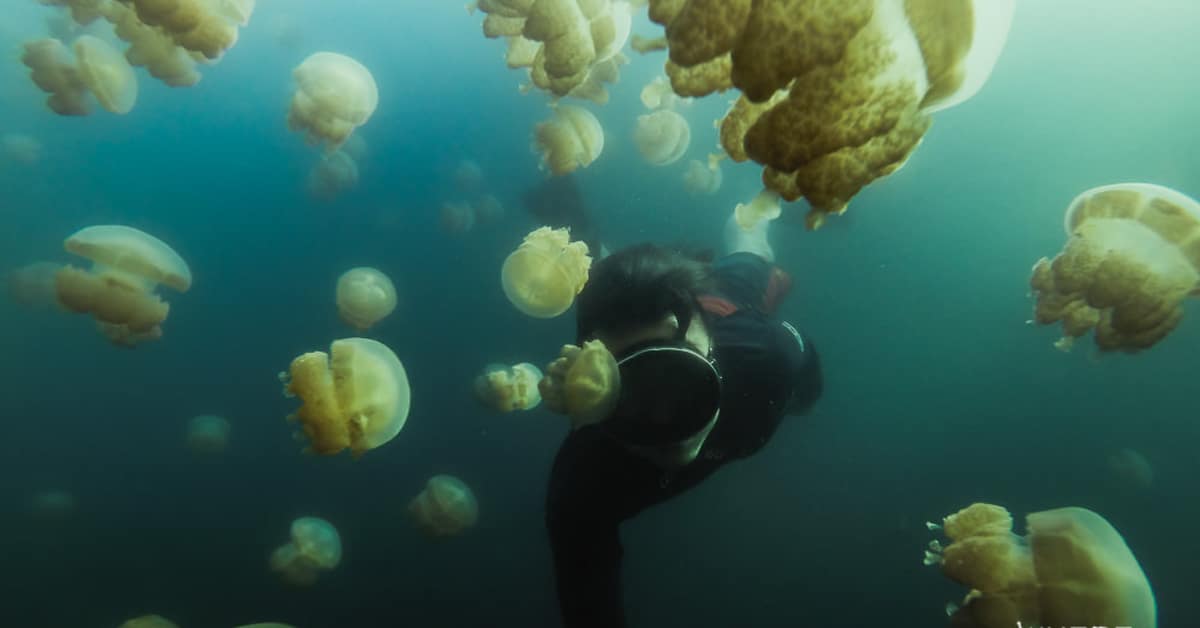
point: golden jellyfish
(583, 383)
(848, 106)
(97, 68)
(334, 95)
(355, 397)
(446, 507)
(1072, 568)
(365, 296)
(106, 73)
(119, 290)
(573, 139)
(32, 285)
(703, 178)
(662, 137)
(149, 621)
(315, 547)
(505, 389)
(763, 208)
(657, 94)
(208, 434)
(543, 276)
(1131, 259)
(21, 148)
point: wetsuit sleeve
(751, 282)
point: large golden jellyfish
(505, 389)
(1131, 259)
(583, 383)
(119, 289)
(543, 276)
(97, 68)
(573, 139)
(334, 95)
(834, 94)
(447, 507)
(365, 296)
(1072, 568)
(315, 547)
(355, 397)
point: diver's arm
(754, 240)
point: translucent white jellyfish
(53, 505)
(662, 137)
(32, 285)
(543, 276)
(21, 148)
(365, 296)
(149, 621)
(1130, 467)
(505, 389)
(97, 68)
(468, 175)
(334, 95)
(1130, 261)
(1072, 568)
(446, 507)
(702, 179)
(355, 397)
(571, 140)
(764, 208)
(208, 434)
(456, 217)
(119, 290)
(315, 547)
(336, 172)
(657, 94)
(489, 208)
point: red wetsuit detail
(778, 285)
(716, 306)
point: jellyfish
(573, 139)
(208, 434)
(662, 137)
(764, 208)
(489, 208)
(468, 175)
(1132, 468)
(335, 173)
(701, 179)
(32, 285)
(119, 290)
(583, 382)
(1130, 261)
(446, 507)
(826, 118)
(456, 217)
(205, 27)
(355, 397)
(1072, 568)
(21, 148)
(153, 49)
(657, 94)
(53, 505)
(334, 95)
(365, 296)
(505, 389)
(96, 68)
(315, 547)
(543, 276)
(149, 621)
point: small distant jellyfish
(489, 208)
(53, 505)
(505, 389)
(456, 217)
(543, 276)
(468, 175)
(315, 547)
(21, 148)
(365, 296)
(208, 435)
(446, 507)
(355, 397)
(662, 137)
(701, 179)
(149, 621)
(1130, 467)
(335, 173)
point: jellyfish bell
(1129, 263)
(1071, 568)
(468, 175)
(447, 507)
(489, 209)
(119, 290)
(456, 217)
(703, 179)
(355, 397)
(506, 389)
(543, 276)
(365, 296)
(315, 546)
(208, 434)
(763, 208)
(571, 140)
(662, 137)
(334, 95)
(106, 73)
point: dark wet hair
(638, 286)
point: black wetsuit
(768, 371)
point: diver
(706, 375)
